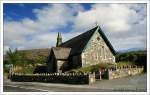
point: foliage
(93, 68)
(15, 58)
(19, 58)
(40, 69)
(138, 58)
(26, 70)
(124, 63)
(131, 56)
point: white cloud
(6, 48)
(124, 24)
(114, 17)
(42, 30)
(129, 42)
(56, 15)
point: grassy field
(124, 63)
(93, 68)
(25, 70)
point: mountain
(34, 54)
(130, 50)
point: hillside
(33, 55)
(138, 58)
(131, 56)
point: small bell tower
(59, 40)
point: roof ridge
(78, 43)
(79, 35)
(90, 37)
(106, 41)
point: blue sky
(19, 11)
(31, 25)
(11, 11)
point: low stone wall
(70, 78)
(122, 72)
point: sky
(35, 25)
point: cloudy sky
(28, 26)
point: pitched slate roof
(61, 52)
(78, 43)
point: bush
(26, 70)
(124, 63)
(40, 69)
(93, 68)
(20, 58)
(15, 58)
(138, 58)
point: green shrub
(93, 68)
(124, 63)
(20, 58)
(26, 70)
(138, 58)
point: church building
(90, 48)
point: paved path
(11, 88)
(132, 83)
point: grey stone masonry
(123, 72)
(97, 52)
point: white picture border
(70, 93)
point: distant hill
(130, 50)
(34, 55)
(139, 58)
(127, 56)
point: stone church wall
(96, 52)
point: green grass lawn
(124, 63)
(93, 68)
(26, 70)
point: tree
(15, 58)
(11, 57)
